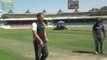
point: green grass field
(17, 44)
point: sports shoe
(96, 52)
(102, 52)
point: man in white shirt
(40, 38)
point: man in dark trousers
(99, 36)
(40, 38)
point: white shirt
(34, 26)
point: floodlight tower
(7, 5)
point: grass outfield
(77, 40)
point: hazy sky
(54, 5)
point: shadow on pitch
(87, 52)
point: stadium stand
(70, 18)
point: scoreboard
(73, 4)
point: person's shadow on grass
(86, 52)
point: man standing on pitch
(99, 36)
(40, 38)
